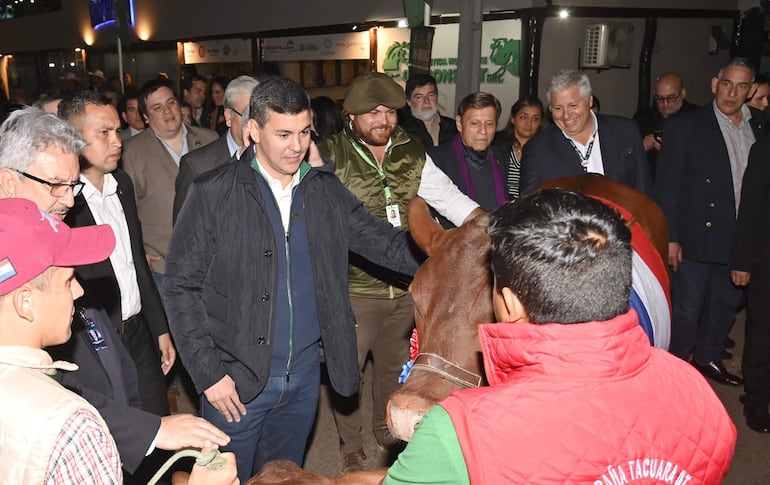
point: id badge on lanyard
(394, 217)
(392, 212)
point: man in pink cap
(57, 436)
(54, 435)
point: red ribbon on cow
(414, 345)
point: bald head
(669, 94)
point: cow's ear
(424, 228)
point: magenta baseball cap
(31, 241)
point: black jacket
(132, 428)
(694, 186)
(447, 128)
(651, 120)
(445, 158)
(549, 156)
(752, 236)
(98, 280)
(220, 274)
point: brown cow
(452, 294)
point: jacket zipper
(288, 291)
(288, 280)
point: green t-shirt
(433, 455)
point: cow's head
(452, 294)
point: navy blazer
(694, 186)
(132, 428)
(549, 156)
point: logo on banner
(396, 55)
(503, 55)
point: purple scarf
(497, 177)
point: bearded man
(385, 168)
(421, 117)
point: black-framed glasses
(671, 98)
(236, 111)
(57, 190)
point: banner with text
(353, 45)
(224, 50)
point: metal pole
(120, 65)
(469, 49)
(645, 63)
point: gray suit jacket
(197, 162)
(154, 172)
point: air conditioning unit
(608, 45)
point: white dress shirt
(595, 162)
(107, 209)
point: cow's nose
(402, 422)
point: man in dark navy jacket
(257, 287)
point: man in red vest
(576, 394)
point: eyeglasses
(57, 190)
(236, 111)
(671, 98)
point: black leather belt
(127, 323)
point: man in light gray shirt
(700, 168)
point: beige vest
(33, 410)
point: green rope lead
(212, 459)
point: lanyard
(380, 171)
(584, 159)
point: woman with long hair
(217, 97)
(526, 119)
(327, 118)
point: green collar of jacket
(304, 167)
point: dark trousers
(144, 350)
(756, 352)
(383, 327)
(705, 302)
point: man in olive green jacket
(385, 168)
